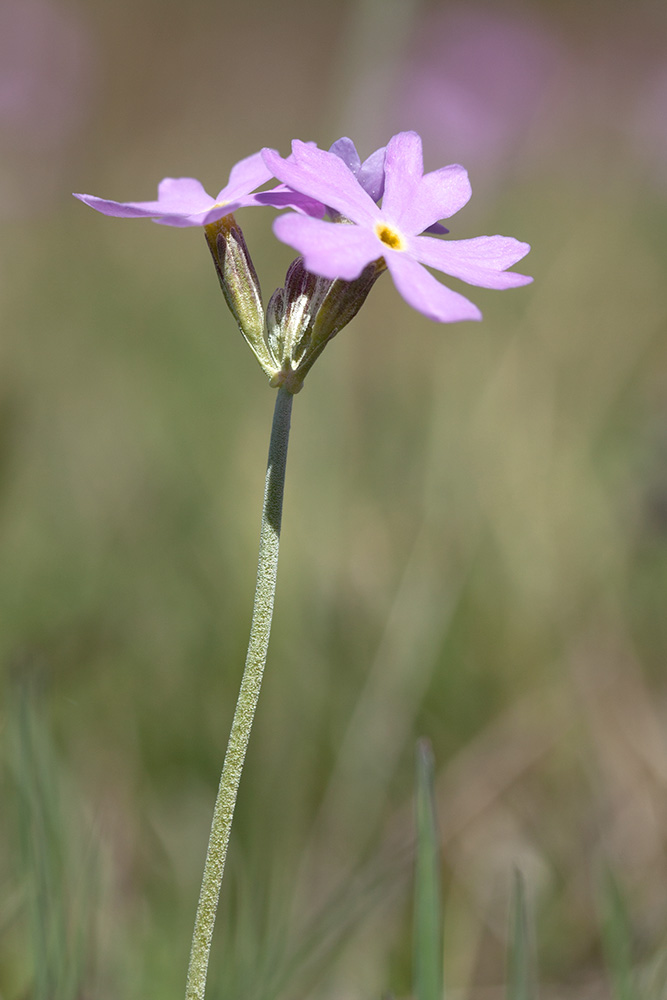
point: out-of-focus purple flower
(47, 75)
(182, 201)
(412, 202)
(475, 81)
(648, 126)
(45, 63)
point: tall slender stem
(244, 714)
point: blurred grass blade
(39, 825)
(520, 973)
(57, 867)
(616, 937)
(427, 959)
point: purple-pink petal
(480, 261)
(426, 294)
(345, 149)
(182, 194)
(120, 210)
(245, 176)
(325, 177)
(333, 250)
(180, 202)
(414, 201)
(437, 229)
(439, 195)
(403, 171)
(284, 197)
(371, 174)
(203, 219)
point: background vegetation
(475, 534)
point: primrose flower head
(379, 212)
(412, 204)
(182, 201)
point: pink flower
(412, 203)
(182, 201)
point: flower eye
(389, 237)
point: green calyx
(240, 284)
(301, 317)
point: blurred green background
(475, 533)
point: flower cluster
(350, 221)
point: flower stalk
(244, 714)
(350, 221)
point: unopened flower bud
(307, 313)
(239, 284)
(301, 298)
(342, 302)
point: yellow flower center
(389, 237)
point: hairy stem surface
(244, 714)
